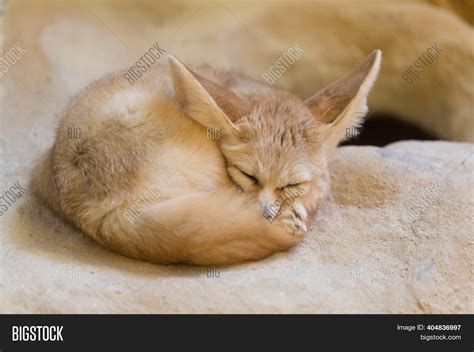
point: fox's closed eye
(244, 180)
(293, 184)
(253, 178)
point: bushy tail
(219, 227)
(215, 228)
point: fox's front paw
(300, 211)
(292, 221)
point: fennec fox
(145, 150)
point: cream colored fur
(214, 192)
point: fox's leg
(307, 205)
(215, 228)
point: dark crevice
(383, 129)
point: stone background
(378, 245)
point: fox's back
(117, 141)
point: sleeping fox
(184, 165)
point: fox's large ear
(343, 104)
(206, 102)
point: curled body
(184, 165)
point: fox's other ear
(206, 102)
(343, 104)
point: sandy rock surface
(395, 236)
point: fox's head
(272, 140)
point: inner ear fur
(207, 102)
(343, 103)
